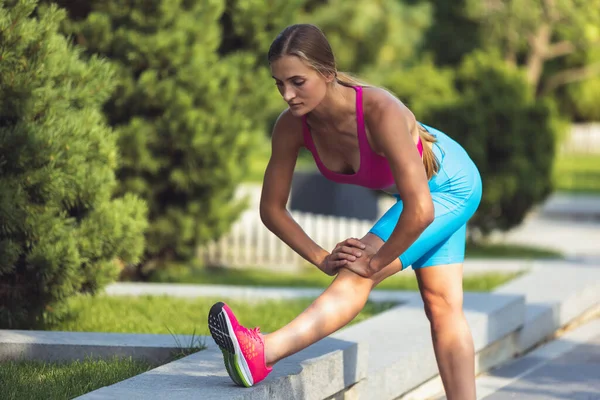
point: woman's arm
(287, 139)
(389, 122)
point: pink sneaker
(243, 349)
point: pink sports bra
(374, 171)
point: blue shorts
(456, 193)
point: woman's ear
(330, 77)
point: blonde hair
(309, 43)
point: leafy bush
(508, 133)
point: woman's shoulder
(379, 102)
(289, 126)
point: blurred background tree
(539, 35)
(370, 37)
(557, 42)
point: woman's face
(300, 85)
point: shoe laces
(251, 342)
(255, 333)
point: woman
(361, 135)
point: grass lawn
(577, 173)
(167, 315)
(36, 380)
(309, 277)
(509, 251)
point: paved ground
(567, 368)
(575, 239)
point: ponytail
(344, 78)
(430, 162)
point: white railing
(250, 244)
(583, 138)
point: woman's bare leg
(441, 290)
(442, 293)
(333, 309)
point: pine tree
(188, 110)
(62, 231)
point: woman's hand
(362, 265)
(344, 252)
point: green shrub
(422, 87)
(508, 133)
(61, 230)
(187, 112)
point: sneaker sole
(230, 371)
(223, 335)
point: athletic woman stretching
(361, 135)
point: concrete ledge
(369, 358)
(314, 373)
(495, 354)
(68, 346)
(555, 293)
(565, 364)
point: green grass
(167, 315)
(309, 277)
(509, 251)
(170, 315)
(36, 380)
(577, 173)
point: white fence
(583, 138)
(250, 243)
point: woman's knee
(441, 291)
(351, 281)
(441, 307)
